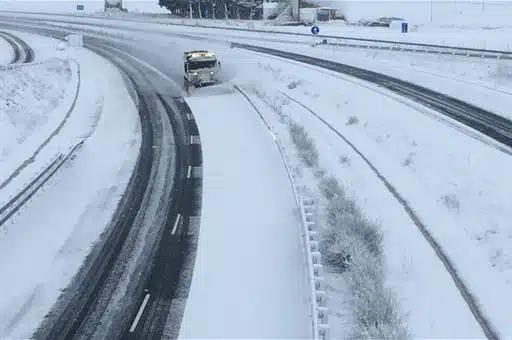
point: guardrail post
(318, 269)
(314, 245)
(324, 331)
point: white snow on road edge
(77, 203)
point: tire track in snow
(23, 53)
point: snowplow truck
(201, 69)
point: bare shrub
(294, 84)
(451, 202)
(344, 160)
(353, 245)
(352, 120)
(409, 159)
(304, 144)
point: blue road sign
(79, 7)
(315, 30)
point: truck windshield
(194, 65)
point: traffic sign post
(315, 30)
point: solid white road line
(139, 313)
(175, 227)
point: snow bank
(43, 246)
(35, 101)
(450, 181)
(6, 52)
(405, 250)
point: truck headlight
(195, 73)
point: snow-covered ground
(448, 178)
(250, 278)
(43, 245)
(451, 181)
(6, 52)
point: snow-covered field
(6, 52)
(34, 101)
(43, 245)
(450, 181)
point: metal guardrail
(306, 207)
(15, 202)
(45, 173)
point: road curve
(488, 123)
(23, 53)
(139, 258)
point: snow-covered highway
(386, 167)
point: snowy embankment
(449, 181)
(6, 52)
(44, 244)
(431, 174)
(35, 102)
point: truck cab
(201, 68)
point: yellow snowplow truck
(201, 69)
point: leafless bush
(352, 120)
(451, 202)
(344, 160)
(304, 144)
(294, 84)
(502, 71)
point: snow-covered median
(43, 246)
(450, 181)
(6, 52)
